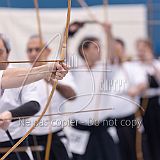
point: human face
(34, 48)
(92, 53)
(3, 56)
(143, 51)
(119, 49)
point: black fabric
(27, 109)
(145, 147)
(151, 122)
(100, 146)
(12, 156)
(127, 139)
(79, 25)
(152, 82)
(58, 150)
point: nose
(34, 53)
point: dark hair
(78, 23)
(85, 43)
(120, 41)
(5, 42)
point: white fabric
(152, 92)
(78, 140)
(11, 100)
(151, 68)
(52, 123)
(115, 97)
(133, 75)
(89, 95)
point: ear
(8, 53)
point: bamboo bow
(63, 51)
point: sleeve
(27, 109)
(157, 64)
(141, 75)
(137, 74)
(30, 93)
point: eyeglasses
(30, 50)
(2, 51)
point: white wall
(128, 21)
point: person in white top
(10, 100)
(150, 100)
(13, 104)
(89, 136)
(52, 126)
(14, 77)
(128, 82)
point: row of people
(118, 85)
(31, 98)
(129, 86)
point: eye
(37, 49)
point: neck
(90, 64)
(3, 66)
(147, 60)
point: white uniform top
(51, 123)
(89, 86)
(11, 100)
(123, 78)
(126, 76)
(1, 74)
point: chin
(3, 66)
(32, 60)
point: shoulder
(157, 63)
(133, 66)
(136, 71)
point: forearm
(27, 109)
(109, 43)
(66, 91)
(14, 77)
(137, 90)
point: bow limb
(38, 21)
(39, 28)
(63, 52)
(104, 57)
(52, 91)
(105, 8)
(84, 5)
